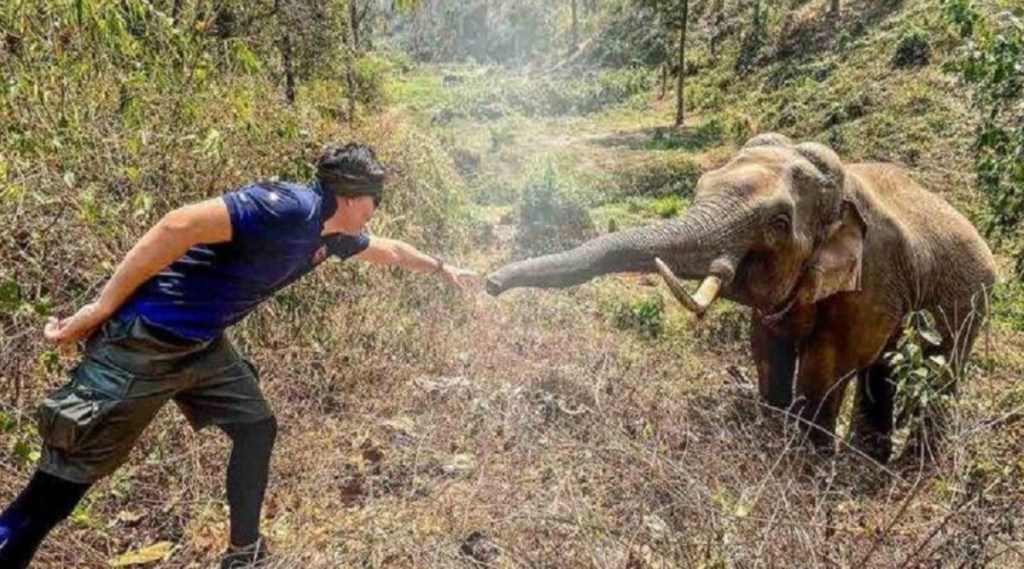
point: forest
(616, 163)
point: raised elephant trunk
(694, 247)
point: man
(156, 333)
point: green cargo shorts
(128, 371)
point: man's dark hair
(351, 171)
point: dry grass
(413, 418)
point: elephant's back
(940, 245)
(894, 189)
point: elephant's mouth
(765, 285)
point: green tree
(991, 61)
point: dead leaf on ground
(159, 551)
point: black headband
(349, 185)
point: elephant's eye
(780, 223)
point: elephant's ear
(836, 264)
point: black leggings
(43, 504)
(247, 476)
(48, 500)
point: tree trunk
(176, 11)
(575, 28)
(681, 77)
(353, 20)
(664, 79)
(350, 72)
(286, 52)
(289, 71)
(716, 29)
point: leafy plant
(669, 206)
(552, 216)
(645, 315)
(991, 61)
(925, 382)
(912, 50)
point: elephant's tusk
(706, 294)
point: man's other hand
(69, 330)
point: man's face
(354, 213)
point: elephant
(830, 257)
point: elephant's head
(776, 215)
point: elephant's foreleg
(775, 359)
(848, 337)
(820, 386)
(873, 417)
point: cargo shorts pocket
(68, 415)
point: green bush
(645, 315)
(725, 324)
(658, 177)
(990, 62)
(913, 50)
(632, 34)
(370, 73)
(708, 134)
(553, 215)
(1008, 304)
(669, 206)
(925, 383)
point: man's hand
(390, 252)
(456, 277)
(77, 327)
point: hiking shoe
(253, 555)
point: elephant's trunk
(700, 244)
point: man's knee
(263, 431)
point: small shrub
(912, 50)
(924, 383)
(707, 135)
(669, 206)
(445, 115)
(726, 323)
(501, 136)
(370, 72)
(656, 178)
(646, 315)
(1008, 304)
(857, 107)
(481, 232)
(552, 215)
(740, 128)
(495, 190)
(467, 162)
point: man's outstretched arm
(395, 253)
(203, 222)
